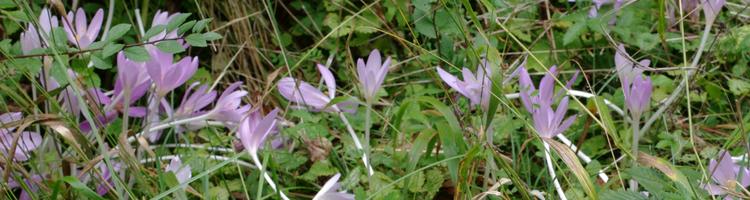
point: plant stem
(634, 149)
(551, 170)
(356, 143)
(368, 125)
(265, 175)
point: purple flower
(182, 172)
(194, 101)
(167, 75)
(307, 95)
(547, 122)
(726, 175)
(636, 87)
(67, 98)
(254, 129)
(711, 9)
(131, 77)
(83, 35)
(372, 74)
(329, 191)
(163, 18)
(30, 39)
(475, 87)
(229, 106)
(26, 142)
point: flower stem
(357, 143)
(551, 170)
(265, 175)
(634, 150)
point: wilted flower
(329, 191)
(372, 74)
(636, 87)
(711, 9)
(26, 142)
(475, 87)
(726, 175)
(167, 75)
(547, 122)
(305, 94)
(83, 35)
(182, 172)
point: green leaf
(415, 183)
(574, 32)
(60, 72)
(196, 39)
(111, 49)
(170, 46)
(318, 169)
(210, 36)
(100, 63)
(5, 4)
(200, 25)
(571, 161)
(118, 31)
(621, 195)
(154, 30)
(738, 87)
(137, 53)
(80, 187)
(185, 27)
(177, 21)
(31, 65)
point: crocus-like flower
(726, 175)
(30, 38)
(329, 191)
(711, 9)
(229, 106)
(547, 122)
(83, 34)
(131, 77)
(372, 74)
(182, 172)
(475, 87)
(163, 18)
(67, 98)
(305, 94)
(252, 132)
(27, 141)
(636, 87)
(168, 75)
(194, 100)
(255, 128)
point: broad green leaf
(137, 53)
(176, 21)
(200, 25)
(196, 39)
(210, 36)
(80, 187)
(574, 32)
(170, 46)
(99, 63)
(154, 30)
(185, 27)
(111, 49)
(117, 32)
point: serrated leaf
(738, 87)
(100, 63)
(196, 39)
(80, 187)
(210, 36)
(170, 46)
(200, 25)
(416, 182)
(118, 31)
(111, 49)
(137, 53)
